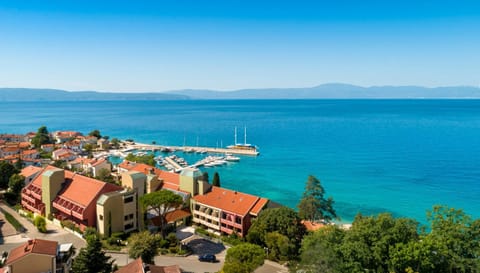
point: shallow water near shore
(400, 156)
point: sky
(145, 46)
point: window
(128, 226)
(128, 199)
(101, 217)
(128, 217)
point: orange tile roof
(312, 226)
(172, 216)
(259, 206)
(11, 149)
(30, 152)
(38, 179)
(167, 177)
(165, 269)
(30, 170)
(133, 267)
(228, 200)
(81, 190)
(24, 145)
(37, 246)
(97, 162)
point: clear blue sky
(164, 45)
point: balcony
(29, 198)
(208, 216)
(39, 208)
(69, 208)
(231, 223)
(205, 223)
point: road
(187, 264)
(54, 233)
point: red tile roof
(29, 152)
(37, 246)
(172, 216)
(259, 206)
(83, 190)
(228, 200)
(134, 267)
(167, 177)
(30, 170)
(80, 189)
(165, 269)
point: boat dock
(174, 164)
(196, 149)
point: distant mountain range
(324, 91)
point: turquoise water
(401, 156)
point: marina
(195, 149)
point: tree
(95, 133)
(205, 177)
(284, 221)
(313, 206)
(105, 176)
(216, 180)
(146, 159)
(161, 202)
(40, 223)
(15, 185)
(115, 142)
(369, 244)
(143, 244)
(6, 171)
(457, 238)
(41, 137)
(92, 259)
(19, 164)
(243, 258)
(321, 251)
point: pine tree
(42, 137)
(313, 206)
(92, 259)
(216, 180)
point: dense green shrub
(40, 223)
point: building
(64, 136)
(30, 172)
(64, 154)
(12, 137)
(225, 211)
(65, 195)
(90, 165)
(120, 211)
(166, 180)
(48, 147)
(220, 210)
(138, 266)
(37, 256)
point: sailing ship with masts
(244, 145)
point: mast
(245, 137)
(235, 135)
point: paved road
(54, 233)
(187, 264)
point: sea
(371, 156)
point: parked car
(207, 258)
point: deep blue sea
(400, 156)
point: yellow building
(119, 211)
